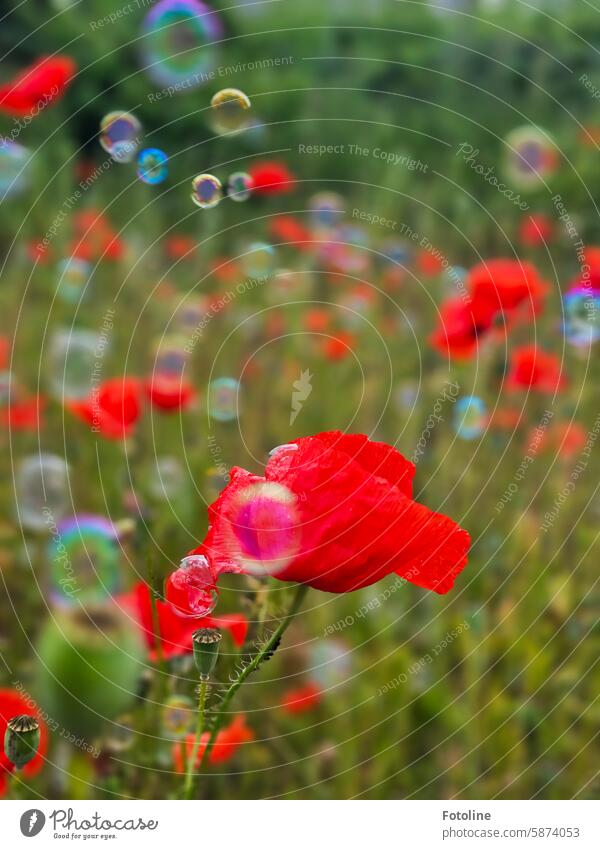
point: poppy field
(298, 406)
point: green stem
(189, 777)
(266, 649)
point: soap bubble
(470, 417)
(582, 316)
(74, 274)
(13, 158)
(239, 186)
(178, 43)
(72, 360)
(84, 560)
(326, 209)
(152, 166)
(262, 528)
(330, 663)
(222, 400)
(42, 491)
(258, 260)
(170, 358)
(207, 191)
(178, 714)
(166, 478)
(532, 156)
(230, 111)
(120, 135)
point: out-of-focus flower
(334, 511)
(113, 409)
(535, 230)
(536, 370)
(339, 346)
(25, 414)
(429, 263)
(301, 699)
(180, 247)
(271, 177)
(287, 228)
(12, 703)
(169, 393)
(176, 631)
(227, 743)
(37, 86)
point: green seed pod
(206, 650)
(90, 665)
(22, 739)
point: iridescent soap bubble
(222, 399)
(41, 491)
(258, 260)
(531, 156)
(170, 358)
(261, 528)
(177, 717)
(397, 252)
(207, 191)
(239, 186)
(229, 111)
(191, 312)
(13, 158)
(120, 135)
(190, 590)
(470, 417)
(330, 663)
(72, 359)
(73, 275)
(326, 209)
(152, 166)
(582, 316)
(84, 560)
(179, 43)
(166, 478)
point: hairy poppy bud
(206, 650)
(21, 739)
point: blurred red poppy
(430, 264)
(37, 86)
(227, 743)
(535, 230)
(271, 177)
(354, 519)
(534, 369)
(301, 699)
(113, 409)
(180, 247)
(12, 703)
(24, 415)
(289, 229)
(169, 393)
(176, 631)
(339, 347)
(458, 332)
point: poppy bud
(21, 739)
(206, 650)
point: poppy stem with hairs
(189, 776)
(266, 651)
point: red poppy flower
(535, 230)
(568, 439)
(227, 743)
(271, 178)
(4, 351)
(339, 347)
(24, 415)
(37, 86)
(176, 631)
(334, 511)
(501, 285)
(95, 237)
(429, 263)
(458, 332)
(12, 703)
(301, 699)
(288, 229)
(38, 252)
(180, 247)
(534, 369)
(316, 319)
(170, 393)
(112, 409)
